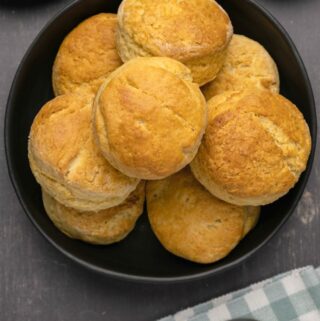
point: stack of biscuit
(162, 101)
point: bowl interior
(140, 255)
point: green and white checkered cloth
(292, 296)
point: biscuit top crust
(153, 116)
(247, 65)
(87, 54)
(256, 143)
(62, 145)
(180, 29)
(191, 222)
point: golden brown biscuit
(149, 117)
(103, 227)
(256, 146)
(67, 163)
(252, 219)
(247, 65)
(195, 32)
(87, 55)
(190, 222)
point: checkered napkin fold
(292, 296)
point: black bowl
(140, 256)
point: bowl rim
(155, 279)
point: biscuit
(103, 227)
(195, 32)
(247, 65)
(66, 162)
(190, 222)
(149, 117)
(256, 146)
(87, 55)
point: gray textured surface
(38, 283)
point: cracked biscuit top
(87, 55)
(256, 146)
(149, 117)
(66, 161)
